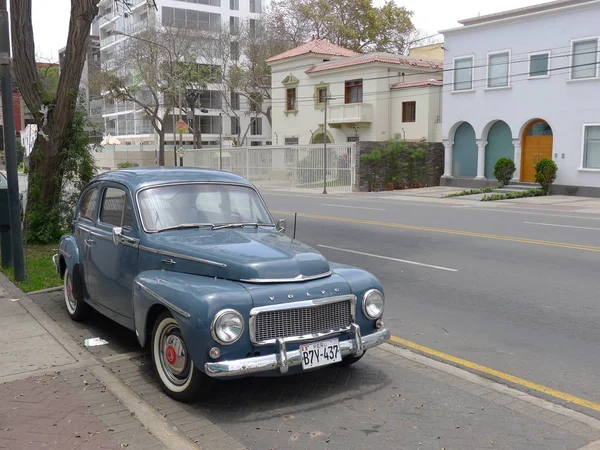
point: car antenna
(295, 217)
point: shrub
(469, 192)
(503, 170)
(511, 195)
(545, 174)
(126, 164)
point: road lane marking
(414, 263)
(355, 207)
(561, 226)
(447, 231)
(496, 373)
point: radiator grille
(287, 323)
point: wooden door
(535, 148)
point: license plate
(322, 353)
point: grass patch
(39, 269)
(510, 195)
(470, 192)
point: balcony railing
(350, 113)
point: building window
(234, 47)
(498, 68)
(235, 125)
(290, 99)
(291, 140)
(256, 127)
(234, 5)
(210, 124)
(538, 65)
(591, 147)
(255, 6)
(210, 99)
(353, 91)
(192, 19)
(409, 111)
(234, 25)
(322, 95)
(351, 138)
(463, 74)
(235, 101)
(255, 143)
(252, 25)
(585, 59)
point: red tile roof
(369, 58)
(418, 83)
(316, 46)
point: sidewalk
(49, 397)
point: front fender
(193, 301)
(68, 254)
(360, 282)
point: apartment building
(127, 123)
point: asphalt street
(513, 290)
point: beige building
(369, 97)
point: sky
(51, 18)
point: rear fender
(69, 258)
(193, 301)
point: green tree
(354, 24)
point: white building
(524, 84)
(128, 124)
(372, 97)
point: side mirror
(280, 226)
(117, 235)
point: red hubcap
(171, 354)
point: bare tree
(151, 70)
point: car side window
(113, 205)
(88, 205)
(127, 215)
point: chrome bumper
(55, 261)
(282, 360)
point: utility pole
(14, 207)
(220, 142)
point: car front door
(83, 225)
(111, 267)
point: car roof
(138, 178)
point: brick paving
(384, 401)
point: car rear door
(112, 266)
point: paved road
(498, 296)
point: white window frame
(571, 57)
(538, 77)
(487, 70)
(582, 168)
(472, 58)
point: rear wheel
(77, 309)
(177, 374)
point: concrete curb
(493, 385)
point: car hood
(255, 255)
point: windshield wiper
(238, 225)
(184, 226)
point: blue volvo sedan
(192, 261)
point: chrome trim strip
(163, 301)
(295, 305)
(287, 280)
(225, 183)
(239, 367)
(179, 255)
(65, 253)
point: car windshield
(200, 204)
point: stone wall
(434, 163)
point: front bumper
(283, 360)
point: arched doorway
(318, 138)
(536, 145)
(464, 152)
(499, 145)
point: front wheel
(77, 309)
(177, 374)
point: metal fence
(297, 167)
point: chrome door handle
(89, 242)
(168, 261)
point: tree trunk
(53, 119)
(161, 147)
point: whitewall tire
(77, 309)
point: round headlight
(227, 326)
(373, 304)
